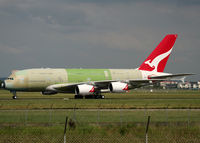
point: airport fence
(99, 125)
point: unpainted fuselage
(40, 79)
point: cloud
(95, 33)
(10, 50)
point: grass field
(101, 134)
(175, 117)
(137, 99)
(97, 116)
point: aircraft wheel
(14, 97)
(89, 97)
(100, 97)
(78, 97)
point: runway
(10, 98)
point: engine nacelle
(118, 87)
(84, 89)
(48, 92)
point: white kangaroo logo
(154, 63)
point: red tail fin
(157, 60)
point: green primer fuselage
(84, 75)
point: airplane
(91, 83)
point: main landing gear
(78, 97)
(14, 94)
(89, 97)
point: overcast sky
(97, 33)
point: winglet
(157, 60)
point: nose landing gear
(14, 94)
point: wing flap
(171, 76)
(139, 83)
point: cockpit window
(10, 78)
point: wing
(63, 88)
(171, 76)
(134, 83)
(103, 86)
(100, 85)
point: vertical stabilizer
(157, 60)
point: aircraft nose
(7, 85)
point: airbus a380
(92, 82)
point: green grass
(82, 116)
(137, 99)
(101, 134)
(37, 118)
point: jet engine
(118, 87)
(84, 89)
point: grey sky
(97, 33)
